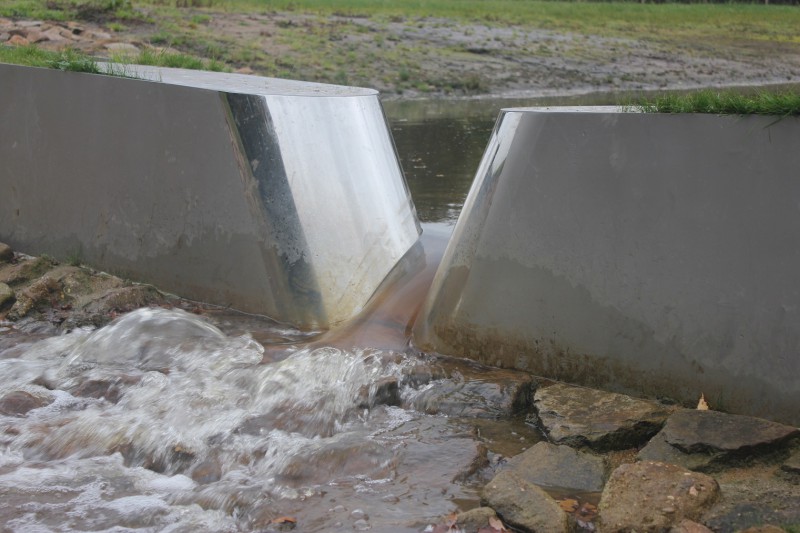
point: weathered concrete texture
(551, 466)
(653, 496)
(524, 505)
(648, 254)
(706, 440)
(578, 416)
(269, 196)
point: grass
(74, 61)
(33, 56)
(319, 47)
(781, 103)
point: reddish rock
(18, 403)
(18, 40)
(653, 496)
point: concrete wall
(657, 255)
(273, 197)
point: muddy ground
(428, 57)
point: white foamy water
(161, 422)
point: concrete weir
(649, 254)
(270, 196)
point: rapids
(164, 420)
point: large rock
(654, 496)
(579, 416)
(492, 394)
(548, 465)
(706, 440)
(523, 504)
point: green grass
(35, 57)
(71, 60)
(319, 48)
(782, 103)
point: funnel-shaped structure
(645, 253)
(270, 196)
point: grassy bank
(781, 103)
(445, 46)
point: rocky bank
(585, 460)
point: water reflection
(440, 143)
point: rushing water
(168, 421)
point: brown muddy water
(168, 421)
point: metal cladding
(649, 254)
(269, 196)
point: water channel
(168, 421)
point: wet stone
(552, 466)
(523, 504)
(707, 440)
(578, 416)
(475, 519)
(6, 253)
(495, 394)
(18, 403)
(654, 496)
(207, 471)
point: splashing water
(160, 421)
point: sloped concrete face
(649, 254)
(269, 196)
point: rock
(474, 519)
(707, 440)
(495, 394)
(207, 471)
(36, 36)
(18, 403)
(54, 35)
(792, 464)
(99, 35)
(384, 391)
(6, 253)
(578, 416)
(4, 36)
(688, 526)
(29, 23)
(653, 496)
(658, 449)
(548, 465)
(764, 529)
(18, 40)
(523, 504)
(37, 292)
(6, 295)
